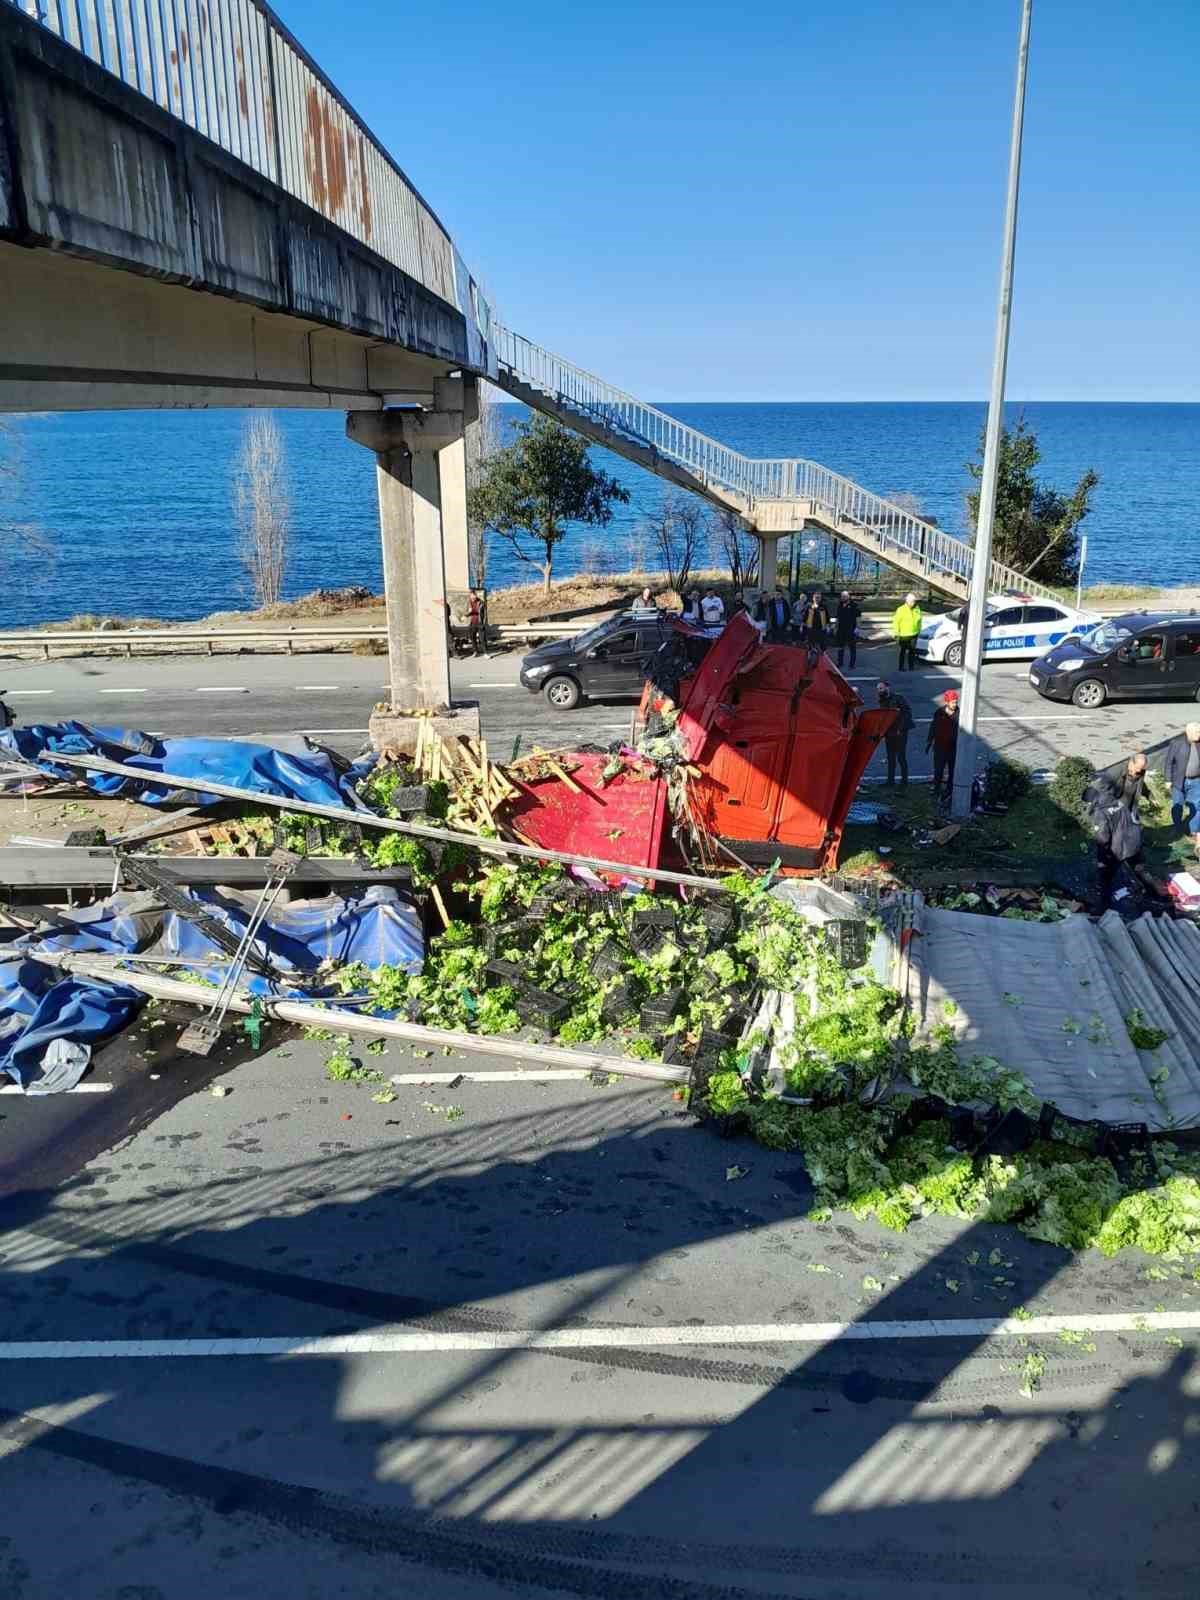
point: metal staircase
(775, 497)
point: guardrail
(98, 639)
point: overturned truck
(749, 754)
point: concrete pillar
(768, 561)
(455, 538)
(407, 446)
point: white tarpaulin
(1050, 1000)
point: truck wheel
(1089, 695)
(954, 653)
(562, 693)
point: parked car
(606, 662)
(1017, 625)
(1139, 656)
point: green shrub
(1006, 781)
(1071, 777)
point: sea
(133, 512)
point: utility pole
(964, 771)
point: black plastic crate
(608, 962)
(847, 941)
(711, 1043)
(618, 1003)
(675, 1051)
(496, 934)
(539, 1007)
(718, 923)
(413, 797)
(501, 972)
(657, 1013)
(1008, 1134)
(1127, 1145)
(663, 916)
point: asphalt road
(331, 696)
(699, 1430)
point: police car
(1017, 626)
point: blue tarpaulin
(305, 940)
(39, 1004)
(313, 775)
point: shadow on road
(680, 1470)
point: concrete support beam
(407, 447)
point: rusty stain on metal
(204, 20)
(184, 43)
(364, 188)
(312, 149)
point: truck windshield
(585, 640)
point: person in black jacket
(816, 621)
(1118, 832)
(943, 741)
(846, 634)
(896, 738)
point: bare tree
(483, 439)
(739, 549)
(679, 530)
(263, 507)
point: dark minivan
(1139, 656)
(606, 662)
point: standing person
(691, 608)
(1181, 768)
(645, 601)
(777, 614)
(816, 621)
(477, 623)
(1118, 832)
(848, 613)
(943, 741)
(896, 738)
(906, 625)
(712, 609)
(1133, 780)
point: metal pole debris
(368, 819)
(109, 970)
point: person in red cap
(943, 741)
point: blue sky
(802, 201)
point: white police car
(1017, 626)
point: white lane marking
(1013, 717)
(13, 693)
(495, 686)
(550, 1075)
(413, 1341)
(80, 1088)
(124, 691)
(221, 689)
(316, 688)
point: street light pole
(981, 569)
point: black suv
(604, 663)
(1139, 656)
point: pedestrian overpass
(192, 215)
